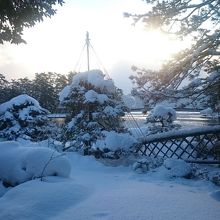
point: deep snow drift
(95, 191)
(19, 163)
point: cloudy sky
(55, 44)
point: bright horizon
(55, 44)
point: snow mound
(17, 101)
(115, 141)
(216, 195)
(19, 164)
(3, 190)
(41, 199)
(177, 167)
(214, 177)
(144, 165)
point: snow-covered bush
(178, 168)
(144, 165)
(163, 114)
(161, 119)
(215, 177)
(19, 164)
(94, 105)
(113, 144)
(206, 112)
(211, 174)
(22, 116)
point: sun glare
(56, 43)
(139, 47)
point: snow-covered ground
(95, 191)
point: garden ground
(96, 191)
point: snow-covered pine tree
(161, 118)
(23, 117)
(94, 105)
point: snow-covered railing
(195, 145)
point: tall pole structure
(87, 47)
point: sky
(55, 45)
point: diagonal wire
(80, 57)
(100, 62)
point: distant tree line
(45, 88)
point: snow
(100, 192)
(184, 132)
(177, 167)
(41, 199)
(163, 112)
(94, 77)
(92, 96)
(22, 163)
(115, 141)
(108, 110)
(96, 191)
(17, 101)
(206, 112)
(64, 93)
(22, 116)
(133, 102)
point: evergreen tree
(59, 82)
(94, 105)
(23, 117)
(45, 87)
(3, 85)
(43, 90)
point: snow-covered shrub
(22, 116)
(161, 119)
(211, 174)
(163, 114)
(146, 164)
(206, 112)
(94, 105)
(178, 168)
(113, 145)
(19, 164)
(215, 177)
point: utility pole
(87, 47)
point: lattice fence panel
(197, 145)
